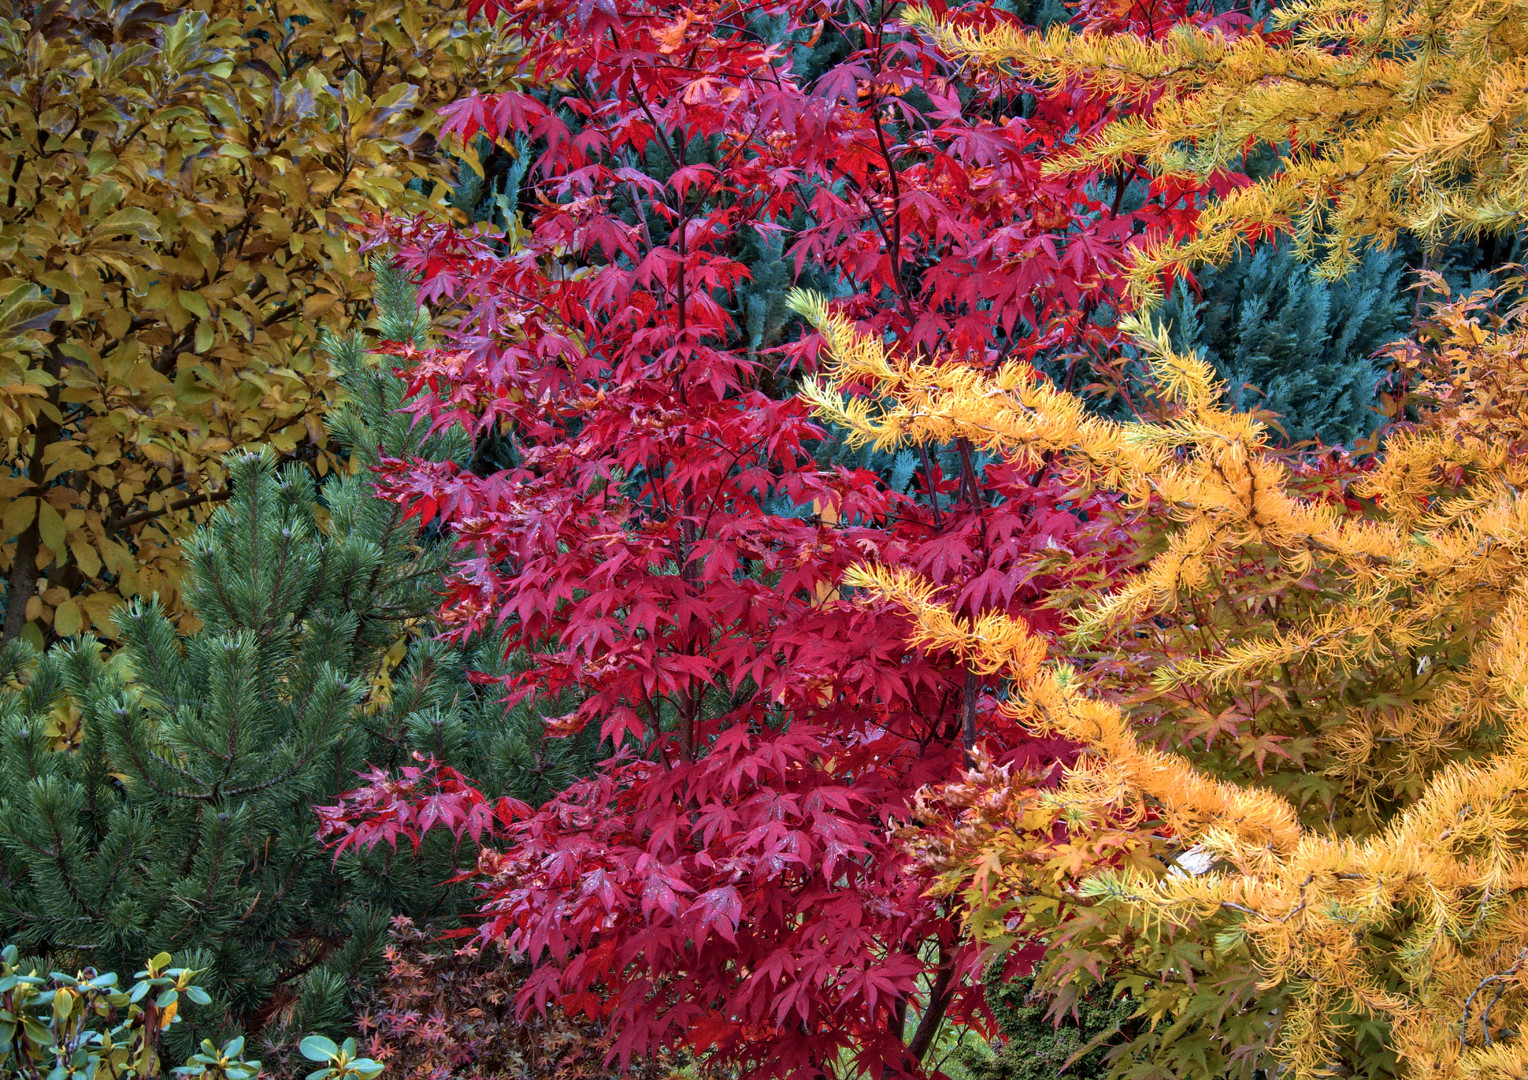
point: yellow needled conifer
(1367, 653)
(1388, 115)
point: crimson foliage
(668, 544)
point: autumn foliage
(667, 543)
(1360, 850)
(441, 1007)
(897, 647)
(1386, 117)
(178, 180)
(1293, 836)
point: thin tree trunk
(939, 996)
(21, 584)
(968, 695)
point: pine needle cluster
(1378, 641)
(1388, 115)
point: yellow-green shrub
(176, 179)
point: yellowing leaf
(85, 556)
(24, 309)
(66, 618)
(50, 525)
(18, 515)
(132, 221)
(192, 301)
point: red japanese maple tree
(667, 542)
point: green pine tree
(160, 798)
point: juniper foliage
(1287, 342)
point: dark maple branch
(928, 478)
(1121, 182)
(969, 692)
(939, 997)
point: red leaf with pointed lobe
(667, 544)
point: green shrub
(1044, 1037)
(86, 1027)
(161, 797)
(1289, 343)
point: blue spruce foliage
(1291, 344)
